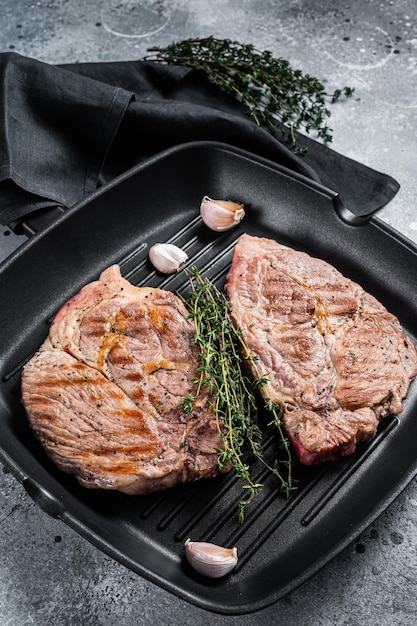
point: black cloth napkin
(66, 129)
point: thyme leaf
(276, 95)
(222, 372)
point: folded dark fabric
(55, 131)
(64, 129)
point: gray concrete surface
(50, 576)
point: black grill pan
(282, 541)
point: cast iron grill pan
(282, 541)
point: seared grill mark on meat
(336, 360)
(103, 392)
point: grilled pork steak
(336, 360)
(102, 394)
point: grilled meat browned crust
(102, 394)
(336, 360)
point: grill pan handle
(351, 218)
(36, 221)
(48, 503)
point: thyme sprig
(276, 95)
(222, 372)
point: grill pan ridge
(282, 541)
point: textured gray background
(48, 574)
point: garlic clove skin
(209, 559)
(167, 258)
(220, 215)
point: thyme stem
(222, 355)
(276, 95)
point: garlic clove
(220, 215)
(167, 258)
(209, 559)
